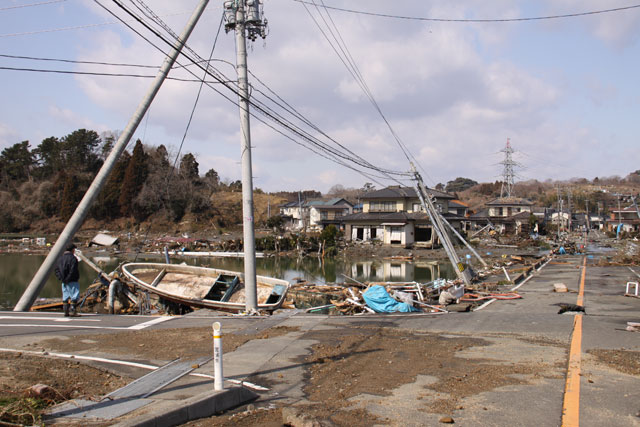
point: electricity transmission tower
(508, 174)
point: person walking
(67, 272)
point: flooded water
(17, 270)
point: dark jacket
(67, 268)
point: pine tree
(71, 196)
(106, 206)
(134, 178)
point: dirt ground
(625, 361)
(352, 361)
(67, 379)
(70, 379)
(356, 360)
(161, 343)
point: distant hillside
(597, 194)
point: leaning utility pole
(247, 23)
(76, 220)
(438, 225)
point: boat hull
(204, 287)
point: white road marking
(151, 322)
(125, 363)
(76, 326)
(76, 320)
(55, 319)
(515, 287)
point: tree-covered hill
(40, 187)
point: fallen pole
(79, 215)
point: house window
(382, 206)
(417, 207)
(500, 212)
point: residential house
(324, 213)
(628, 219)
(510, 214)
(460, 209)
(293, 214)
(395, 216)
(315, 215)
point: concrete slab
(172, 413)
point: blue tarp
(380, 301)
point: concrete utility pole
(76, 220)
(438, 225)
(588, 216)
(245, 17)
(569, 203)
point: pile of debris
(437, 296)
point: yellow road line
(571, 404)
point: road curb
(200, 406)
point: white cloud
(8, 136)
(618, 28)
(73, 119)
(453, 92)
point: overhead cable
(349, 62)
(20, 6)
(92, 73)
(315, 144)
(462, 20)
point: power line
(103, 74)
(195, 103)
(327, 151)
(82, 27)
(71, 61)
(31, 4)
(416, 18)
(349, 62)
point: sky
(564, 91)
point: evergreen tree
(49, 157)
(106, 206)
(189, 167)
(16, 162)
(71, 196)
(162, 156)
(134, 178)
(81, 150)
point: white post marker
(218, 382)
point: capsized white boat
(204, 287)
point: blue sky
(564, 91)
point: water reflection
(17, 270)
